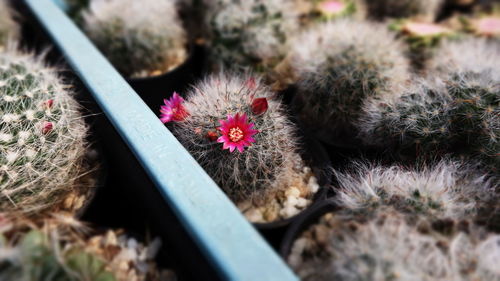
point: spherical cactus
(241, 136)
(343, 63)
(42, 137)
(456, 112)
(446, 189)
(8, 28)
(63, 251)
(250, 34)
(140, 38)
(389, 246)
(381, 9)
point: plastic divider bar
(232, 245)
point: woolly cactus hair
(261, 162)
(343, 63)
(389, 247)
(140, 38)
(470, 55)
(382, 9)
(446, 189)
(42, 139)
(250, 34)
(8, 28)
(63, 249)
(431, 118)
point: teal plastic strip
(233, 246)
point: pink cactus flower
(173, 110)
(424, 29)
(49, 103)
(331, 8)
(236, 132)
(489, 26)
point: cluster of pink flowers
(236, 132)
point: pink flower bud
(259, 106)
(47, 127)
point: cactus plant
(62, 251)
(236, 113)
(42, 137)
(446, 189)
(251, 33)
(456, 112)
(343, 63)
(381, 9)
(389, 246)
(140, 38)
(8, 28)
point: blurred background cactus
(140, 38)
(42, 138)
(343, 63)
(388, 245)
(456, 112)
(324, 10)
(427, 10)
(61, 249)
(250, 34)
(8, 28)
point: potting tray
(234, 249)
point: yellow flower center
(235, 134)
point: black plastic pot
(316, 157)
(310, 217)
(154, 89)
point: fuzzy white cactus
(390, 247)
(8, 28)
(250, 33)
(140, 38)
(446, 189)
(42, 136)
(337, 65)
(471, 55)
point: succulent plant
(42, 137)
(388, 246)
(63, 251)
(140, 38)
(445, 189)
(381, 9)
(238, 113)
(250, 34)
(343, 63)
(8, 28)
(456, 112)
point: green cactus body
(140, 38)
(42, 136)
(422, 9)
(456, 112)
(8, 28)
(342, 64)
(264, 165)
(250, 34)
